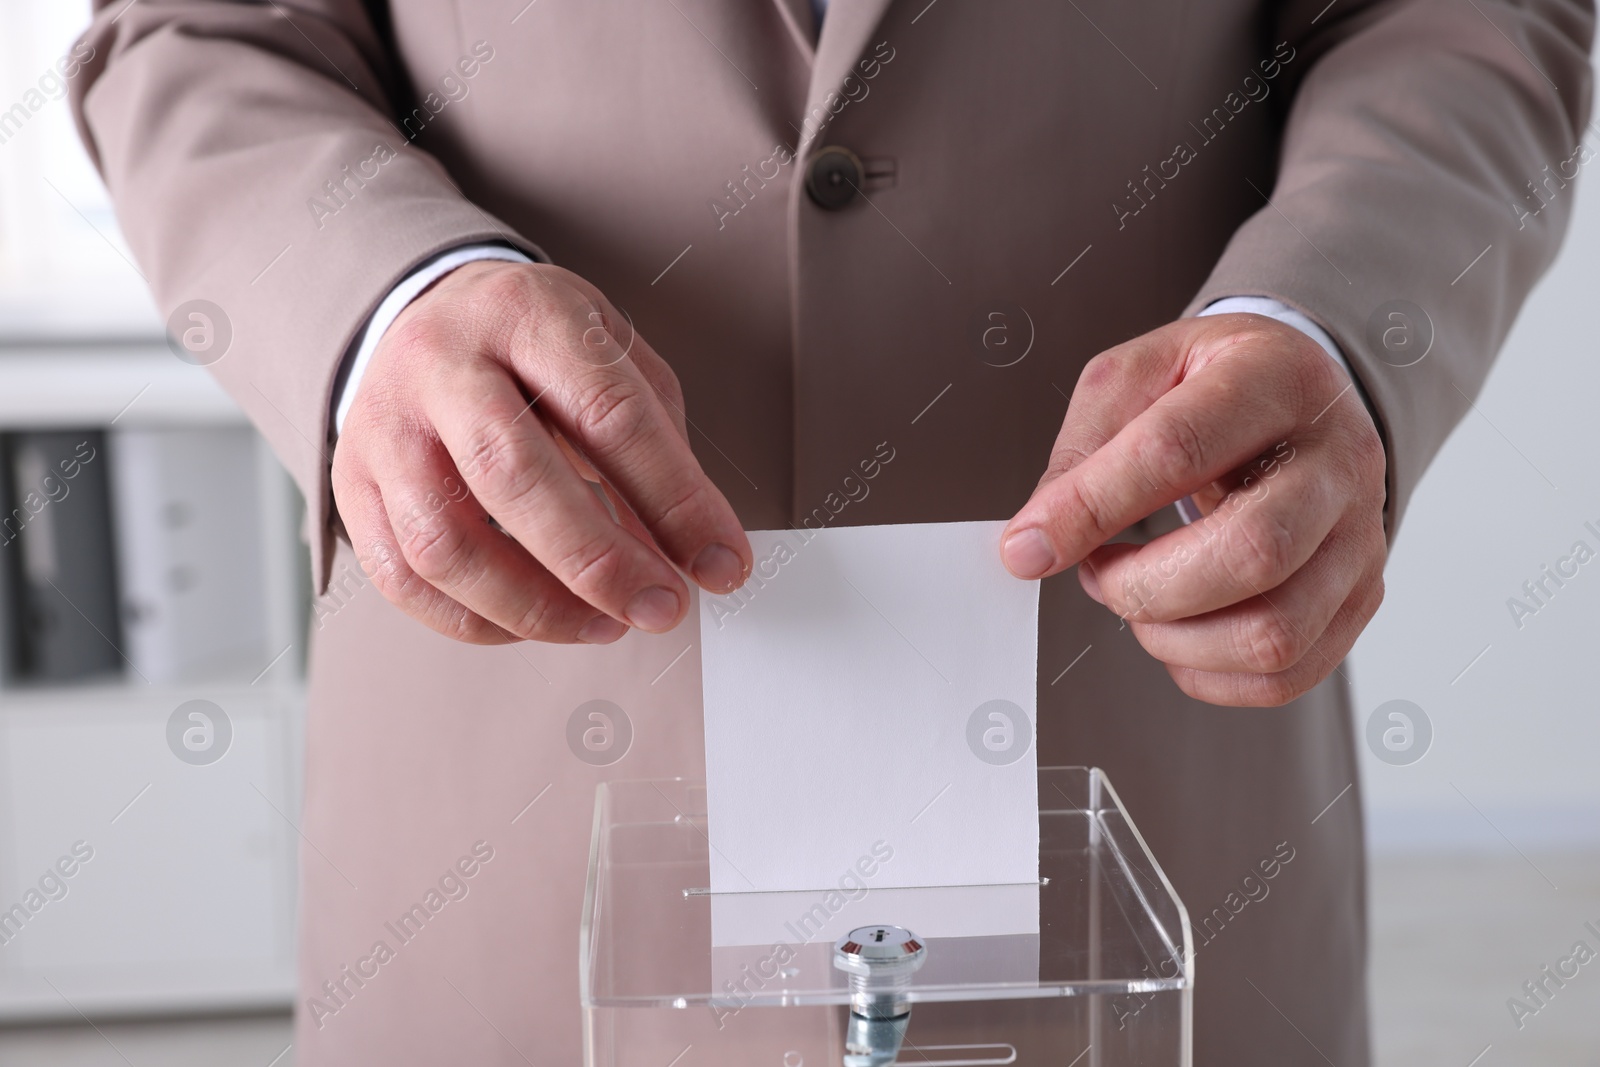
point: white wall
(64, 267)
(1518, 735)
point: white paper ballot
(870, 712)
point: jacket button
(833, 177)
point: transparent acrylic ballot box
(1093, 967)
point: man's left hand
(1260, 599)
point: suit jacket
(1090, 170)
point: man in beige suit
(816, 225)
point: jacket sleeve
(254, 164)
(1423, 185)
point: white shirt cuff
(409, 288)
(1277, 309)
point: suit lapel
(796, 15)
(845, 32)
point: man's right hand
(488, 399)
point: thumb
(1115, 388)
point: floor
(250, 1041)
(1453, 940)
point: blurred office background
(171, 943)
(152, 560)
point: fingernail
(717, 568)
(602, 630)
(1027, 554)
(654, 609)
(1090, 582)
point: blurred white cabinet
(186, 898)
